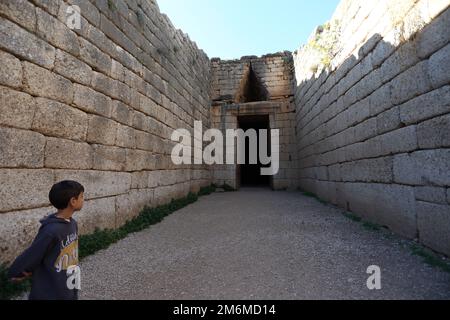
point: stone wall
(373, 115)
(274, 75)
(274, 72)
(97, 105)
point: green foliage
(313, 195)
(228, 188)
(309, 194)
(366, 224)
(430, 258)
(352, 216)
(102, 239)
(140, 18)
(207, 190)
(8, 289)
(371, 226)
(324, 43)
(111, 5)
(162, 51)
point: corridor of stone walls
(363, 111)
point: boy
(52, 258)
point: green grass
(309, 194)
(9, 290)
(313, 195)
(371, 226)
(352, 216)
(102, 239)
(111, 5)
(430, 257)
(227, 188)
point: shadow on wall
(251, 89)
(372, 134)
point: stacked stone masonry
(274, 74)
(97, 105)
(373, 125)
(363, 111)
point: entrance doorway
(249, 175)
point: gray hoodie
(53, 260)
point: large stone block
(380, 100)
(109, 158)
(165, 194)
(104, 84)
(439, 67)
(21, 12)
(434, 133)
(403, 58)
(24, 189)
(96, 214)
(427, 167)
(93, 56)
(403, 88)
(129, 206)
(56, 119)
(68, 154)
(434, 36)
(16, 108)
(10, 70)
(21, 149)
(72, 68)
(117, 71)
(154, 179)
(433, 221)
(368, 170)
(388, 120)
(25, 44)
(88, 10)
(122, 113)
(56, 32)
(139, 180)
(138, 160)
(48, 5)
(434, 103)
(126, 137)
(398, 141)
(18, 229)
(98, 184)
(92, 101)
(431, 194)
(102, 130)
(115, 34)
(385, 204)
(43, 83)
(146, 141)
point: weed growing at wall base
(428, 256)
(102, 239)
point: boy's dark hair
(63, 191)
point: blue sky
(230, 29)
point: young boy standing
(52, 258)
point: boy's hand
(25, 275)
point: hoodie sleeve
(32, 257)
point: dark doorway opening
(250, 174)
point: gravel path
(259, 244)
